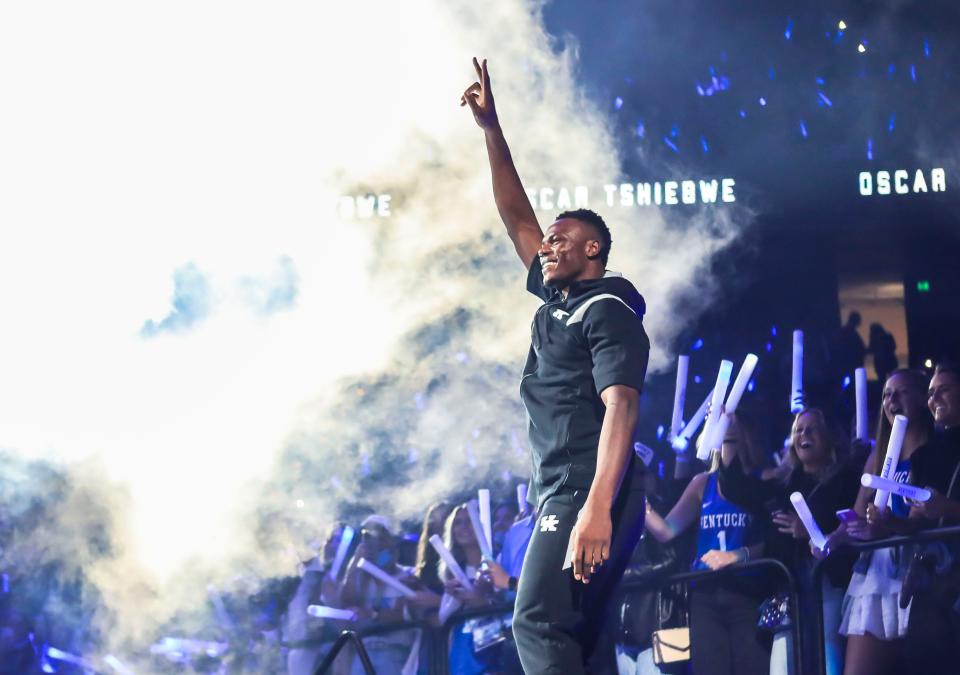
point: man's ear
(593, 249)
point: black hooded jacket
(581, 344)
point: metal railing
(355, 637)
(938, 534)
(436, 639)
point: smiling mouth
(548, 264)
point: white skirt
(872, 602)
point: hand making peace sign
(479, 97)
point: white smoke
(207, 142)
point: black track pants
(558, 621)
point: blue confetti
(641, 130)
(743, 114)
(700, 90)
(751, 385)
(846, 382)
(772, 73)
(697, 379)
(773, 331)
(671, 144)
(703, 144)
(713, 71)
(659, 432)
(891, 69)
(803, 129)
(763, 101)
(892, 122)
(823, 98)
(660, 469)
(913, 72)
(698, 344)
(674, 131)
(821, 81)
(788, 33)
(870, 148)
(617, 103)
(768, 347)
(926, 48)
(724, 83)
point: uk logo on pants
(549, 523)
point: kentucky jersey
(724, 526)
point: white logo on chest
(549, 523)
(560, 315)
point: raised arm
(512, 202)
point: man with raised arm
(581, 387)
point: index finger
(486, 76)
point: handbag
(775, 613)
(672, 645)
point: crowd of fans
(888, 610)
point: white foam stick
(740, 384)
(346, 538)
(473, 510)
(450, 561)
(679, 396)
(917, 494)
(486, 518)
(733, 400)
(522, 505)
(67, 657)
(681, 442)
(796, 380)
(117, 665)
(800, 506)
(860, 378)
(324, 612)
(897, 432)
(379, 574)
(716, 403)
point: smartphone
(847, 515)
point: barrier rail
(437, 639)
(938, 534)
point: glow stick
(740, 384)
(733, 400)
(681, 442)
(796, 383)
(116, 664)
(917, 494)
(860, 377)
(890, 462)
(679, 396)
(378, 573)
(522, 505)
(800, 506)
(719, 393)
(189, 646)
(324, 612)
(66, 657)
(346, 538)
(486, 519)
(450, 561)
(473, 510)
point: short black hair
(593, 219)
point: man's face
(564, 251)
(944, 400)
